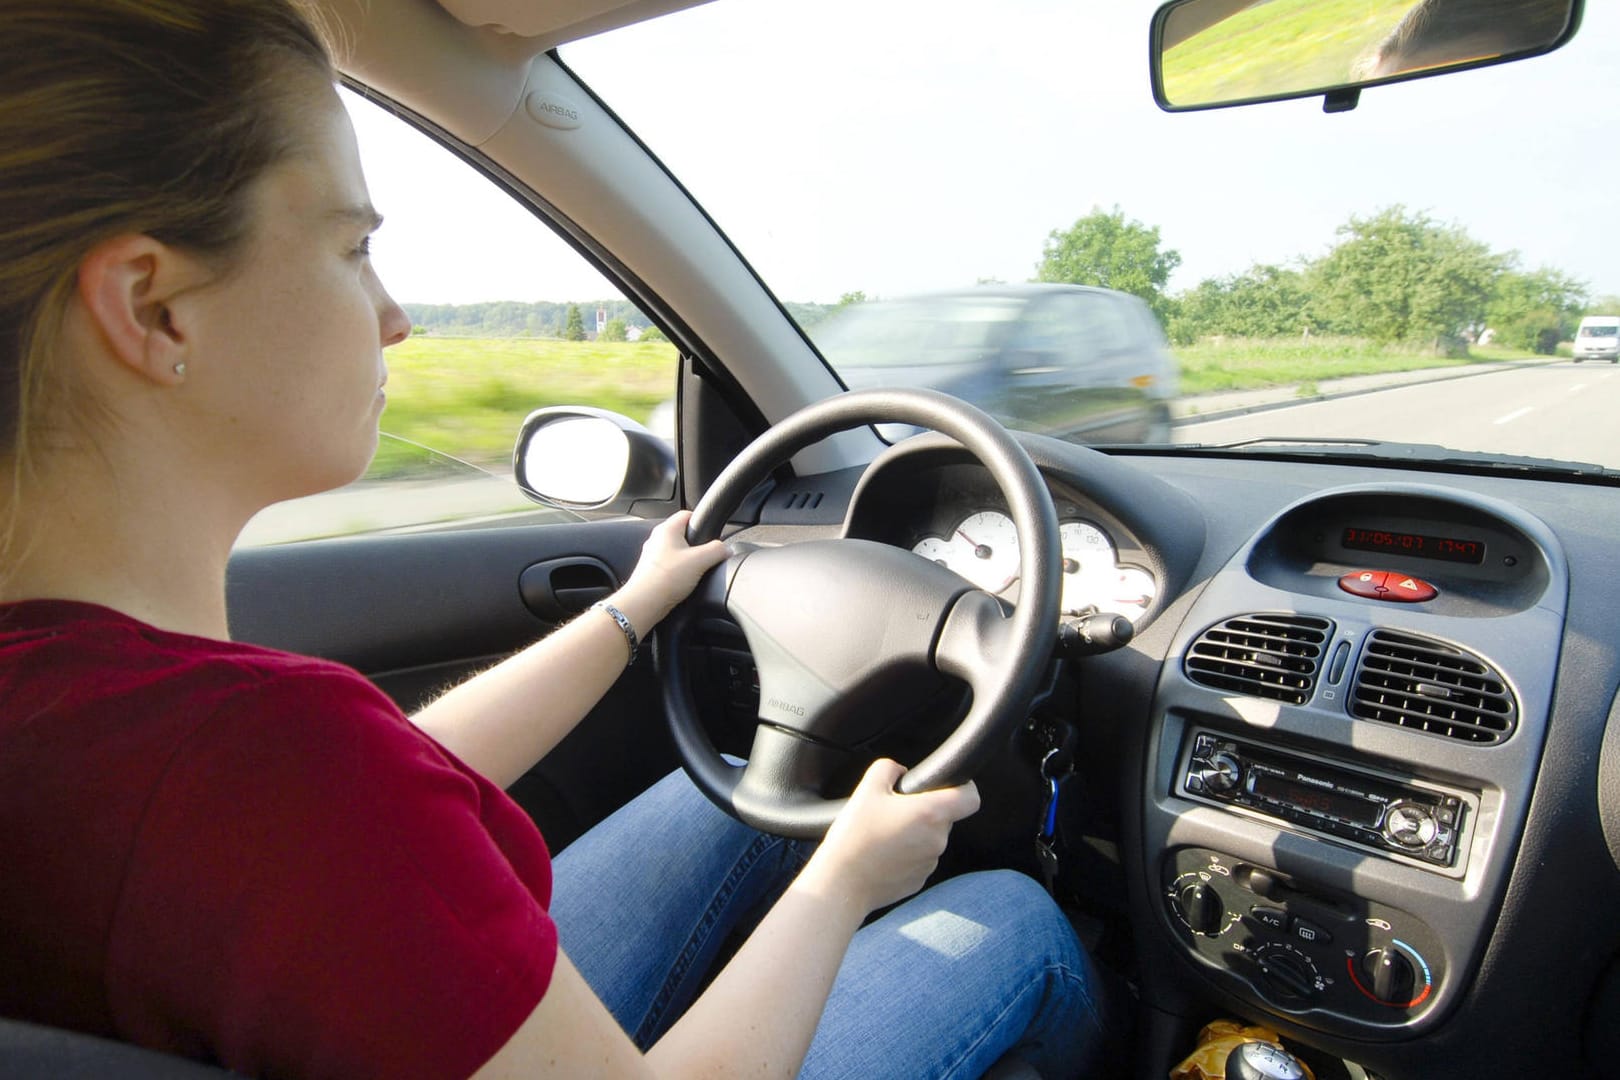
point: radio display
(1416, 545)
(1281, 789)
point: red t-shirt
(240, 854)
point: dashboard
(1325, 758)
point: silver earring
(180, 369)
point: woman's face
(288, 375)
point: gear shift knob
(1262, 1061)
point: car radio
(1380, 812)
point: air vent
(804, 500)
(1269, 656)
(1431, 686)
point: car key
(1056, 767)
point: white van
(1598, 339)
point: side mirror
(578, 458)
(1211, 53)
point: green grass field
(466, 397)
(1253, 363)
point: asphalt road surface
(1566, 411)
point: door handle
(559, 588)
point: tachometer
(992, 538)
(982, 547)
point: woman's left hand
(669, 568)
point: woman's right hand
(883, 845)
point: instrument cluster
(982, 547)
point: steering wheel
(831, 622)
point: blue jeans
(943, 985)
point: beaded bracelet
(624, 624)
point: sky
(900, 146)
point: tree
(652, 333)
(574, 328)
(612, 330)
(1104, 249)
(856, 297)
(1263, 301)
(1404, 277)
(1535, 310)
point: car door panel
(419, 612)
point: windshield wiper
(1414, 453)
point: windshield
(885, 333)
(1413, 270)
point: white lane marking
(1577, 386)
(1514, 415)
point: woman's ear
(126, 285)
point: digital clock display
(1414, 545)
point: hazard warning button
(1388, 585)
(1407, 590)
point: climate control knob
(1288, 972)
(1389, 975)
(1202, 908)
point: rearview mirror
(1211, 53)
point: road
(1565, 410)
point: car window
(1077, 327)
(1435, 239)
(506, 318)
(1057, 325)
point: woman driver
(253, 857)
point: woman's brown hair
(125, 116)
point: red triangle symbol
(1409, 584)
